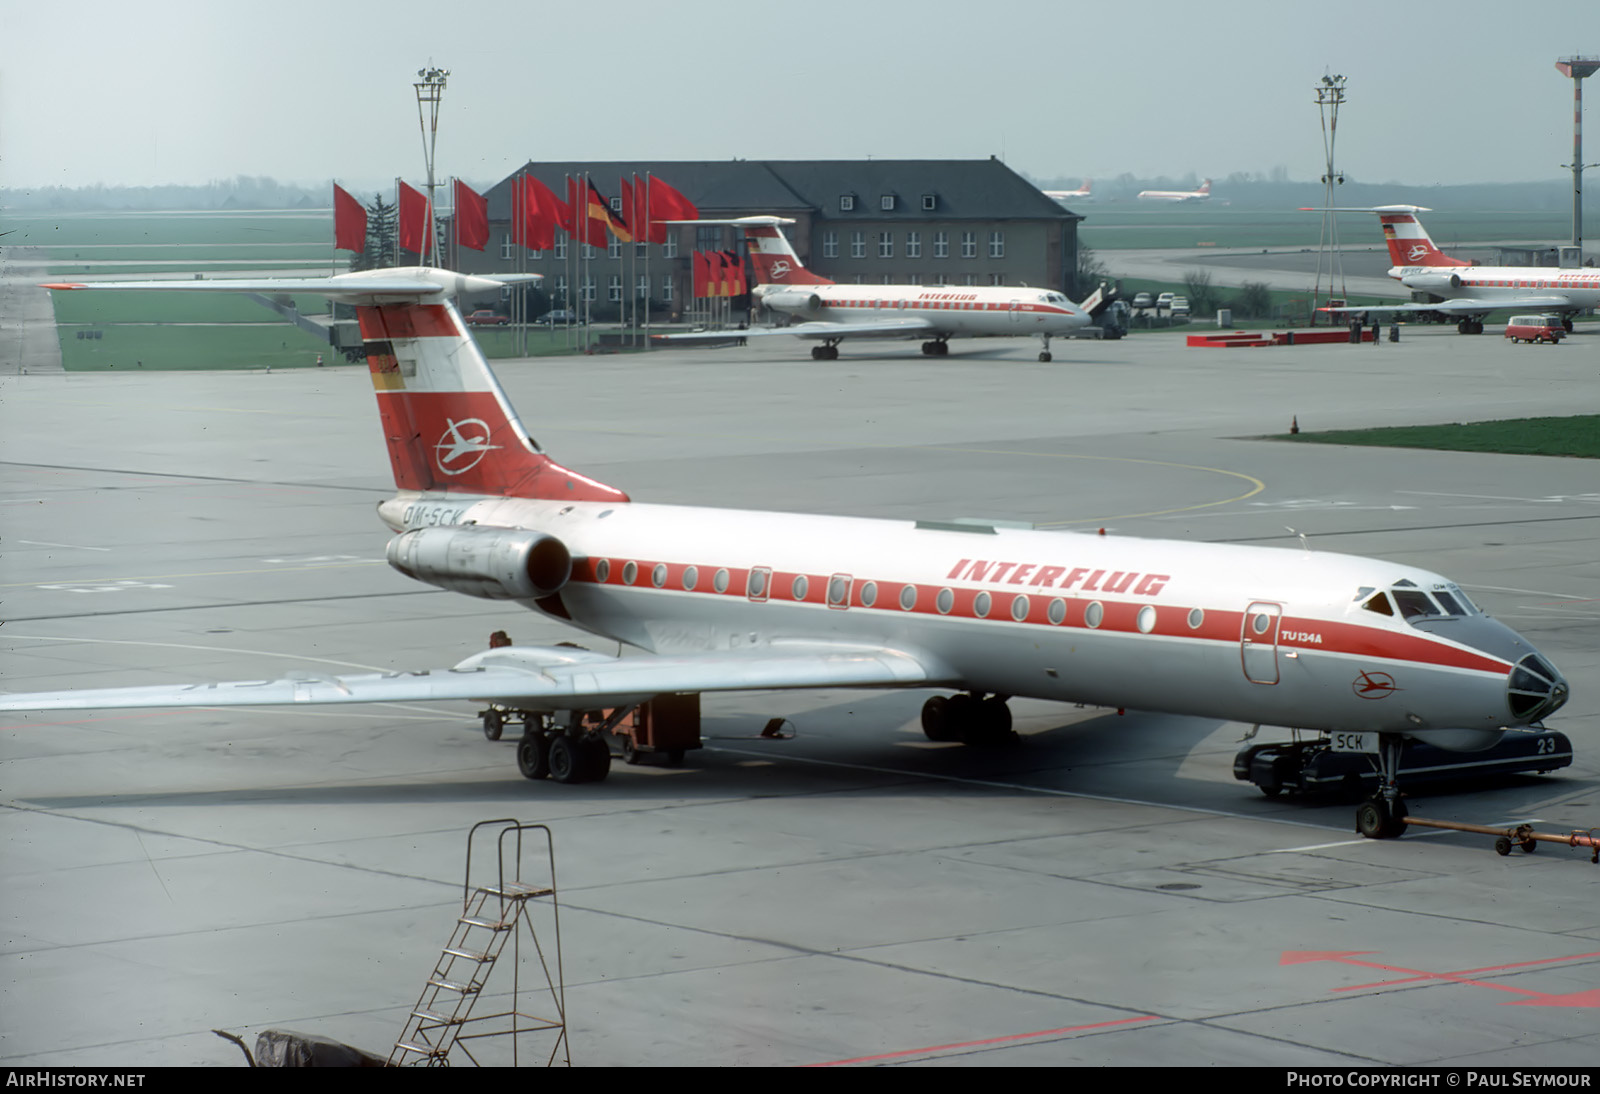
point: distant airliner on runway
(1202, 194)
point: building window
(913, 244)
(969, 279)
(642, 289)
(616, 204)
(507, 249)
(588, 251)
(997, 244)
(886, 203)
(915, 279)
(885, 244)
(588, 288)
(930, 202)
(561, 289)
(830, 244)
(941, 279)
(640, 249)
(858, 245)
(666, 289)
(669, 249)
(614, 248)
(536, 255)
(847, 203)
(561, 249)
(997, 279)
(888, 279)
(969, 244)
(941, 244)
(707, 239)
(614, 288)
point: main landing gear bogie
(545, 754)
(970, 718)
(936, 348)
(1469, 326)
(828, 352)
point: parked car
(1163, 303)
(485, 317)
(1535, 328)
(558, 317)
(1143, 300)
(1179, 307)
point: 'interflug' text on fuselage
(1037, 576)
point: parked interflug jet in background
(727, 600)
(1464, 290)
(826, 312)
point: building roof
(963, 189)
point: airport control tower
(1577, 68)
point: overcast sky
(143, 92)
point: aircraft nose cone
(1534, 688)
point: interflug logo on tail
(462, 445)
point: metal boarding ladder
(494, 911)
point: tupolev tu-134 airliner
(727, 600)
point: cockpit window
(1415, 604)
(1379, 603)
(1448, 603)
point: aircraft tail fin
(448, 424)
(1409, 242)
(772, 255)
(1205, 188)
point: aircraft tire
(936, 719)
(567, 760)
(533, 756)
(597, 759)
(1045, 357)
(988, 723)
(1375, 820)
(493, 723)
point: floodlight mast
(1578, 69)
(1330, 94)
(430, 90)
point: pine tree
(383, 225)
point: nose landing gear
(1382, 816)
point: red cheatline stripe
(1119, 616)
(988, 1041)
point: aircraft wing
(817, 331)
(1464, 305)
(532, 678)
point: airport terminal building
(927, 222)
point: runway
(1105, 893)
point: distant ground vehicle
(1535, 328)
(1163, 303)
(560, 315)
(1311, 767)
(484, 317)
(1179, 306)
(1142, 300)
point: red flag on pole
(702, 275)
(472, 217)
(349, 221)
(415, 222)
(667, 204)
(637, 206)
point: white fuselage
(949, 309)
(1513, 284)
(1245, 633)
(1173, 196)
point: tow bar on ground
(1522, 835)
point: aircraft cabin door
(1016, 312)
(1258, 641)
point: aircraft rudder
(775, 259)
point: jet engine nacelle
(494, 563)
(1439, 282)
(793, 302)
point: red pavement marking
(987, 1041)
(1538, 999)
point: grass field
(1577, 436)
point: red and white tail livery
(1409, 242)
